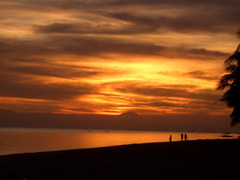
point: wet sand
(201, 159)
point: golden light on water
(36, 140)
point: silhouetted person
(182, 136)
(170, 138)
(185, 137)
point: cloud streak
(111, 56)
(169, 92)
(184, 17)
(97, 46)
(55, 70)
(13, 86)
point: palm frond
(223, 86)
(235, 116)
(231, 83)
(234, 58)
(231, 68)
(226, 81)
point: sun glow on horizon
(69, 57)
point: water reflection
(36, 140)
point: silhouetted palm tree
(231, 83)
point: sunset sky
(113, 56)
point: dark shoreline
(200, 159)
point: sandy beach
(201, 159)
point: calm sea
(14, 140)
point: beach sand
(201, 159)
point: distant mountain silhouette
(126, 121)
(129, 114)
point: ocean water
(26, 140)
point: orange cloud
(152, 57)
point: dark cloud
(20, 48)
(198, 74)
(191, 22)
(181, 122)
(158, 103)
(172, 2)
(13, 85)
(191, 17)
(32, 106)
(77, 28)
(94, 46)
(80, 110)
(54, 70)
(137, 24)
(62, 28)
(194, 17)
(76, 5)
(176, 91)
